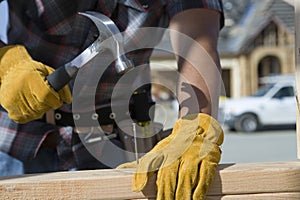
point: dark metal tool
(107, 29)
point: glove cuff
(212, 130)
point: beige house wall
(243, 68)
(245, 75)
(246, 82)
(257, 55)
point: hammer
(107, 29)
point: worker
(43, 35)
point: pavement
(269, 145)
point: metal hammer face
(107, 29)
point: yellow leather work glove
(24, 91)
(185, 161)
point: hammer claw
(107, 30)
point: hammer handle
(59, 78)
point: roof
(246, 18)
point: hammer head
(108, 29)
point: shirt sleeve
(2, 44)
(27, 138)
(8, 130)
(23, 141)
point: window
(284, 92)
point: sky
(3, 20)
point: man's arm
(24, 141)
(198, 63)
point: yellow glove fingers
(179, 157)
(36, 97)
(166, 181)
(42, 92)
(186, 181)
(64, 94)
(189, 170)
(8, 95)
(174, 146)
(127, 165)
(24, 92)
(147, 166)
(207, 173)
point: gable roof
(252, 17)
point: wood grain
(232, 181)
(268, 196)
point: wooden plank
(297, 55)
(267, 196)
(246, 178)
(235, 179)
(94, 184)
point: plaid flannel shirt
(53, 34)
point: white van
(273, 104)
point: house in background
(257, 40)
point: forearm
(198, 62)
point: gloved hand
(24, 90)
(186, 160)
